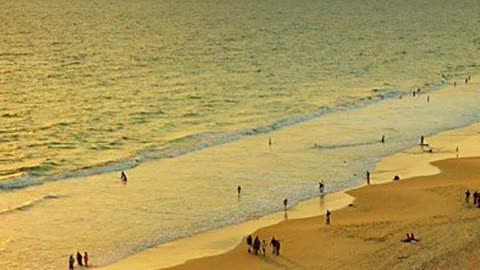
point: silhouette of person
(328, 214)
(239, 190)
(285, 204)
(249, 243)
(383, 139)
(273, 243)
(79, 259)
(278, 248)
(368, 178)
(467, 196)
(264, 247)
(71, 261)
(256, 245)
(321, 187)
(85, 258)
(123, 177)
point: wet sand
(381, 216)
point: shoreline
(407, 164)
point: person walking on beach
(328, 217)
(475, 197)
(256, 245)
(79, 259)
(383, 139)
(422, 140)
(368, 178)
(277, 249)
(273, 243)
(239, 191)
(249, 243)
(123, 177)
(467, 196)
(264, 247)
(71, 261)
(85, 258)
(285, 204)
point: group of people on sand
(476, 197)
(257, 246)
(410, 238)
(81, 260)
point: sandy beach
(368, 235)
(428, 201)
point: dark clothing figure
(328, 217)
(368, 178)
(239, 190)
(79, 259)
(71, 261)
(274, 244)
(321, 187)
(256, 246)
(85, 258)
(249, 243)
(278, 248)
(422, 140)
(475, 197)
(410, 239)
(123, 177)
(383, 139)
(467, 196)
(285, 204)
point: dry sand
(367, 235)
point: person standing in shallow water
(368, 178)
(285, 204)
(321, 187)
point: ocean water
(184, 94)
